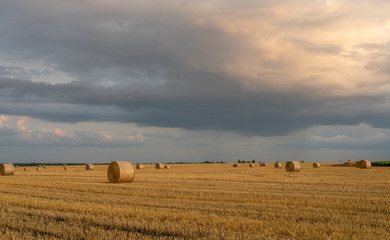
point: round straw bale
(251, 165)
(357, 163)
(166, 167)
(316, 165)
(7, 169)
(364, 164)
(25, 169)
(89, 166)
(159, 165)
(293, 166)
(38, 168)
(16, 166)
(119, 172)
(236, 165)
(66, 168)
(64, 165)
(263, 164)
(278, 165)
(44, 166)
(139, 166)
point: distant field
(197, 201)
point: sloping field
(197, 201)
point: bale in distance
(66, 168)
(25, 169)
(38, 168)
(236, 165)
(293, 166)
(16, 166)
(251, 165)
(364, 164)
(139, 166)
(89, 166)
(120, 172)
(44, 166)
(316, 165)
(166, 167)
(7, 169)
(263, 164)
(357, 163)
(278, 165)
(159, 165)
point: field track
(197, 201)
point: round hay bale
(89, 166)
(236, 165)
(278, 165)
(38, 168)
(16, 166)
(166, 167)
(139, 166)
(251, 165)
(64, 165)
(293, 166)
(66, 168)
(263, 164)
(159, 165)
(120, 172)
(316, 165)
(25, 169)
(357, 163)
(364, 164)
(44, 166)
(6, 169)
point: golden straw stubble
(120, 172)
(6, 169)
(293, 166)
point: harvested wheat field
(197, 201)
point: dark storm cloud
(163, 64)
(242, 111)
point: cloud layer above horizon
(255, 68)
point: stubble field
(197, 201)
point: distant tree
(239, 161)
(302, 161)
(253, 161)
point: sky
(192, 81)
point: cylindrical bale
(44, 166)
(316, 165)
(64, 165)
(166, 167)
(16, 166)
(66, 168)
(89, 166)
(236, 165)
(25, 169)
(139, 166)
(278, 165)
(364, 164)
(357, 163)
(120, 172)
(6, 169)
(38, 168)
(293, 166)
(251, 165)
(159, 165)
(263, 164)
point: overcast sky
(151, 81)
